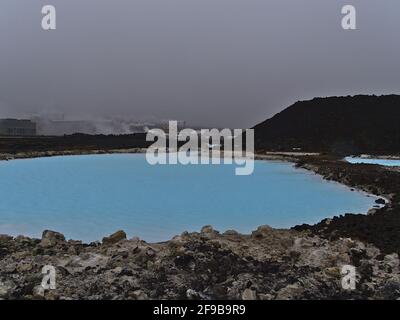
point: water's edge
(289, 158)
(200, 260)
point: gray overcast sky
(212, 62)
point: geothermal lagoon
(378, 161)
(89, 197)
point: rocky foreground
(302, 263)
(268, 264)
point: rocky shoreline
(268, 264)
(302, 263)
(380, 227)
(45, 154)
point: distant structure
(65, 127)
(16, 127)
(58, 125)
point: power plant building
(16, 127)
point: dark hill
(359, 124)
(72, 142)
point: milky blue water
(382, 162)
(88, 197)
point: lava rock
(249, 294)
(51, 238)
(261, 231)
(114, 238)
(380, 201)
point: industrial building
(16, 127)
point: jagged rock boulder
(114, 238)
(231, 233)
(249, 294)
(51, 238)
(6, 288)
(139, 295)
(208, 232)
(5, 238)
(290, 292)
(380, 201)
(261, 231)
(392, 263)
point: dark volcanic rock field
(380, 227)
